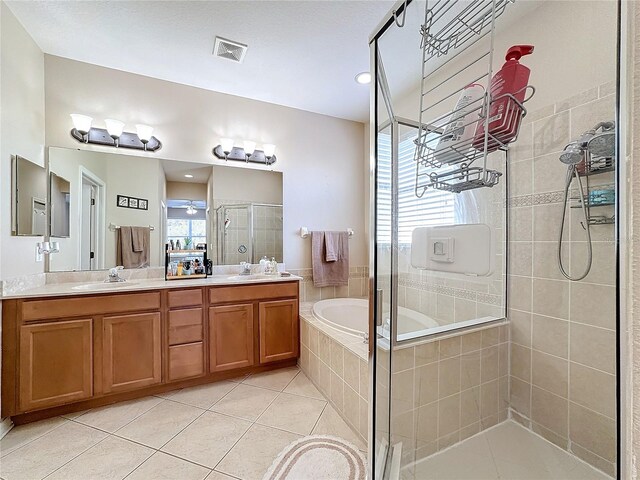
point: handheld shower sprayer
(590, 143)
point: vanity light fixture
(226, 151)
(113, 135)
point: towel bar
(304, 232)
(113, 227)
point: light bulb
(114, 127)
(269, 150)
(82, 123)
(144, 132)
(249, 147)
(363, 78)
(226, 144)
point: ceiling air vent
(229, 49)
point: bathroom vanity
(65, 350)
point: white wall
(247, 186)
(321, 157)
(22, 124)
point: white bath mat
(318, 457)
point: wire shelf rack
(451, 28)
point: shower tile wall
(562, 333)
(267, 230)
(445, 391)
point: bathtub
(351, 315)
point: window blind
(436, 207)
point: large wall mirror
(236, 212)
(28, 197)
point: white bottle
(457, 137)
(263, 264)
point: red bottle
(504, 114)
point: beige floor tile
(166, 467)
(160, 424)
(219, 476)
(202, 396)
(245, 402)
(301, 385)
(23, 434)
(207, 440)
(49, 452)
(255, 452)
(114, 417)
(293, 413)
(274, 379)
(110, 459)
(331, 423)
(74, 415)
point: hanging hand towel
(332, 245)
(126, 254)
(330, 273)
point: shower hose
(571, 171)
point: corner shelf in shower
(451, 28)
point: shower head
(600, 144)
(572, 154)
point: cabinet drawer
(253, 292)
(186, 361)
(89, 306)
(185, 326)
(185, 298)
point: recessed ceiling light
(363, 78)
(188, 175)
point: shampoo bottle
(457, 135)
(504, 114)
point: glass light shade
(269, 150)
(191, 210)
(114, 127)
(249, 147)
(226, 144)
(82, 123)
(144, 132)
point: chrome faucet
(246, 268)
(114, 275)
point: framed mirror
(29, 197)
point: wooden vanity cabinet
(55, 363)
(73, 353)
(131, 352)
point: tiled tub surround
(337, 364)
(563, 338)
(446, 390)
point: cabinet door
(131, 351)
(278, 330)
(230, 337)
(55, 363)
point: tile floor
(507, 451)
(226, 430)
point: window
(179, 228)
(436, 207)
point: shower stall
(247, 232)
(489, 333)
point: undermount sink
(103, 285)
(252, 277)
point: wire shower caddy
(451, 28)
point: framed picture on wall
(123, 201)
(133, 203)
(143, 204)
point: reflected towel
(137, 238)
(330, 273)
(126, 255)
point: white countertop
(135, 285)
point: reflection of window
(436, 207)
(178, 229)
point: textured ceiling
(302, 54)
